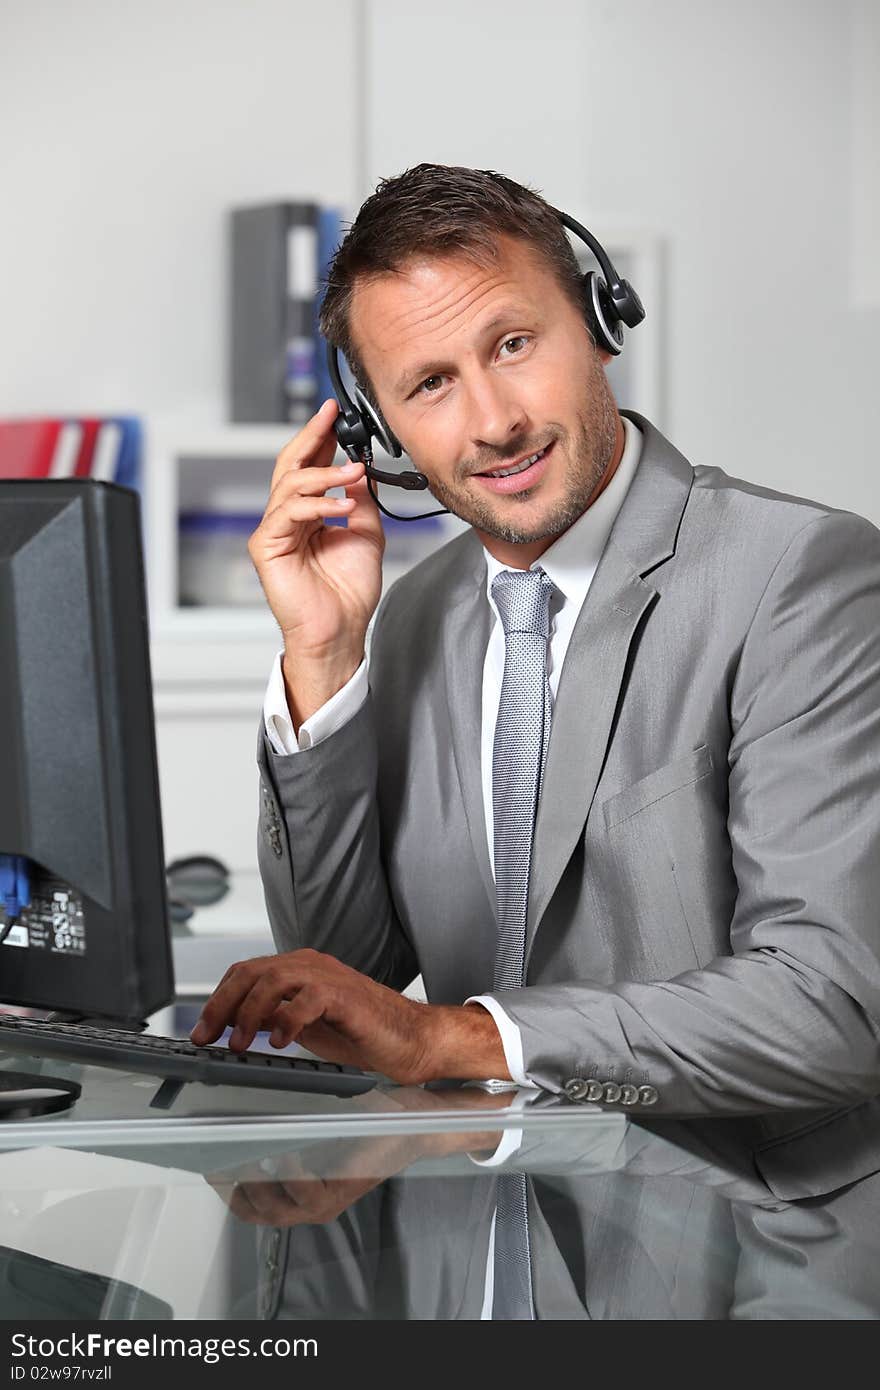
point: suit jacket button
(648, 1095)
(629, 1094)
(576, 1088)
(611, 1092)
(595, 1091)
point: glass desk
(278, 1206)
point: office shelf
(224, 650)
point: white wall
(740, 134)
(727, 129)
(127, 131)
(865, 183)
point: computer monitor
(79, 791)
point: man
(701, 932)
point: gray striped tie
(522, 731)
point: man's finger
(364, 518)
(290, 1018)
(312, 482)
(282, 524)
(314, 439)
(255, 1008)
(306, 1003)
(236, 1200)
(268, 1198)
(223, 1003)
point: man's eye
(518, 342)
(426, 384)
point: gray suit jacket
(705, 890)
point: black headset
(609, 303)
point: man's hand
(345, 1017)
(322, 582)
(298, 1196)
(316, 1186)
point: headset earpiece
(627, 305)
(602, 316)
(355, 426)
(357, 423)
(380, 431)
(350, 431)
(609, 301)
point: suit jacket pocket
(822, 1153)
(681, 772)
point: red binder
(39, 448)
(87, 447)
(27, 447)
(93, 447)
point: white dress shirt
(570, 563)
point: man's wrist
(462, 1042)
(309, 685)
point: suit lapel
(643, 536)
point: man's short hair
(439, 209)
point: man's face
(479, 368)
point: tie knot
(522, 598)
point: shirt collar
(570, 562)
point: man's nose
(497, 415)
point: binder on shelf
(90, 429)
(129, 460)
(274, 266)
(27, 447)
(106, 448)
(105, 454)
(67, 449)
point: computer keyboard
(176, 1059)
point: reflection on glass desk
(381, 1206)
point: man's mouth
(516, 477)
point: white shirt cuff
(510, 1142)
(327, 720)
(511, 1138)
(511, 1038)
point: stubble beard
(590, 452)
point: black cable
(366, 460)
